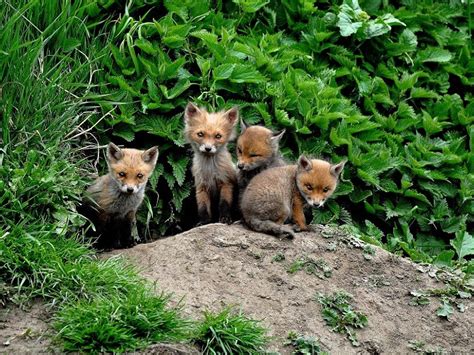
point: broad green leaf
(463, 244)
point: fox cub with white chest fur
(212, 168)
(114, 198)
(280, 193)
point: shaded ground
(217, 265)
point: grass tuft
(117, 323)
(230, 332)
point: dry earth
(218, 265)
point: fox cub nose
(240, 166)
(129, 190)
(208, 149)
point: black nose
(129, 189)
(240, 166)
(208, 149)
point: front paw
(225, 219)
(298, 228)
(286, 233)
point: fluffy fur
(257, 150)
(213, 171)
(280, 193)
(113, 199)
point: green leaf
(445, 310)
(463, 244)
(251, 6)
(179, 168)
(434, 55)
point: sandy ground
(217, 265)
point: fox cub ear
(114, 153)
(337, 168)
(232, 115)
(191, 112)
(304, 163)
(276, 137)
(243, 126)
(150, 156)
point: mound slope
(217, 265)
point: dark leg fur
(225, 210)
(270, 227)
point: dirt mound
(217, 265)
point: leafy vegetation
(386, 84)
(230, 332)
(340, 315)
(304, 345)
(318, 267)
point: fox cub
(279, 193)
(212, 168)
(257, 150)
(116, 196)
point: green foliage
(119, 322)
(386, 85)
(230, 332)
(304, 345)
(340, 315)
(318, 267)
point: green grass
(230, 332)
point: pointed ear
(232, 115)
(150, 156)
(243, 126)
(191, 112)
(114, 153)
(337, 168)
(276, 137)
(304, 163)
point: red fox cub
(117, 195)
(213, 170)
(257, 150)
(279, 193)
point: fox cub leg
(203, 199)
(276, 228)
(298, 215)
(225, 203)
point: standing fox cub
(115, 197)
(257, 150)
(213, 170)
(279, 193)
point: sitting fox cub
(114, 198)
(257, 150)
(279, 193)
(213, 170)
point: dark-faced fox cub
(213, 170)
(257, 150)
(280, 193)
(113, 199)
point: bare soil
(24, 331)
(217, 265)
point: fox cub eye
(309, 187)
(140, 176)
(200, 134)
(253, 155)
(122, 174)
(326, 189)
(239, 150)
(218, 136)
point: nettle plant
(389, 86)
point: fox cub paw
(225, 219)
(308, 228)
(287, 233)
